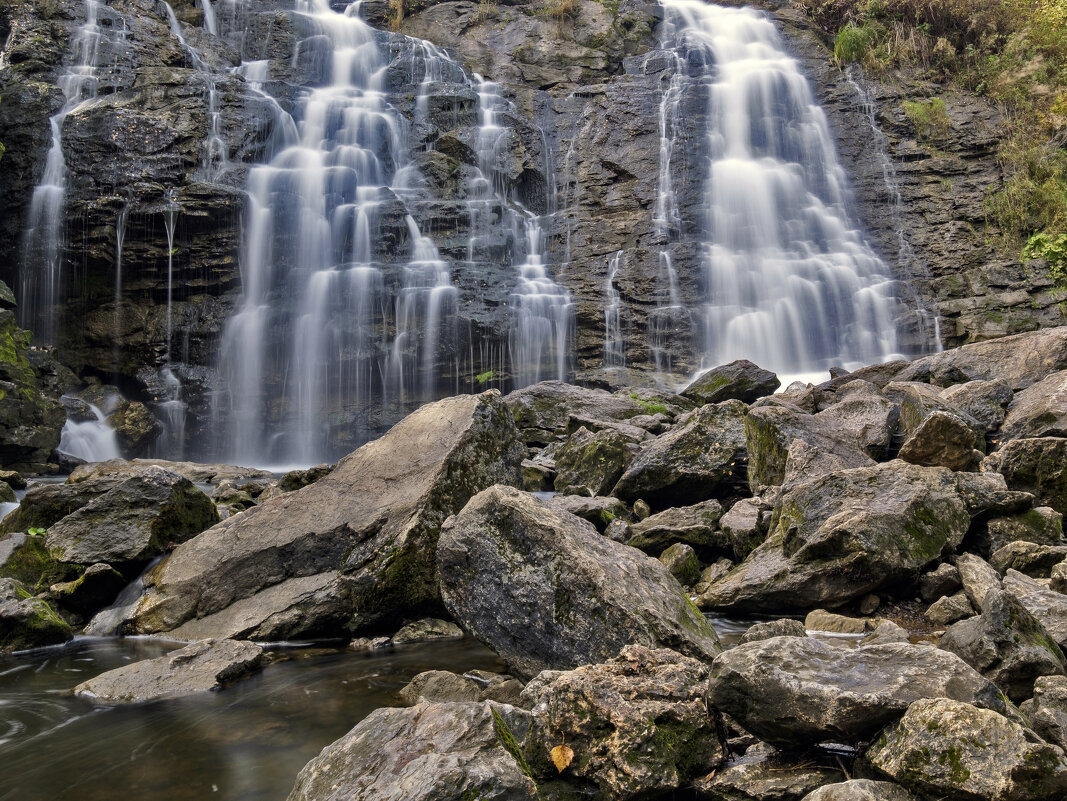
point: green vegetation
(650, 407)
(483, 378)
(561, 10)
(1012, 51)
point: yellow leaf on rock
(561, 757)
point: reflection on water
(246, 743)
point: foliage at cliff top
(1014, 51)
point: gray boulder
(860, 412)
(1019, 361)
(917, 401)
(950, 609)
(770, 432)
(138, 519)
(942, 439)
(1048, 606)
(638, 724)
(590, 464)
(27, 622)
(601, 511)
(696, 525)
(802, 690)
(785, 627)
(702, 457)
(1043, 525)
(940, 582)
(1030, 558)
(682, 561)
(439, 685)
(1046, 712)
(977, 576)
(197, 472)
(429, 752)
(542, 411)
(860, 790)
(356, 547)
(196, 668)
(426, 630)
(94, 589)
(1007, 645)
(47, 504)
(740, 380)
(1037, 466)
(745, 525)
(545, 591)
(947, 748)
(844, 535)
(985, 401)
(1038, 411)
(766, 777)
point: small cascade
(210, 23)
(106, 622)
(120, 239)
(171, 411)
(790, 281)
(216, 155)
(614, 352)
(170, 219)
(90, 440)
(319, 310)
(541, 327)
(41, 273)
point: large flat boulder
(198, 667)
(844, 535)
(46, 504)
(638, 724)
(1020, 360)
(791, 691)
(138, 519)
(428, 752)
(545, 591)
(356, 547)
(944, 748)
(197, 472)
(542, 411)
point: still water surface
(245, 743)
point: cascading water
(41, 276)
(91, 440)
(311, 246)
(614, 351)
(791, 283)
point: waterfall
(116, 320)
(41, 273)
(790, 281)
(320, 314)
(90, 440)
(614, 350)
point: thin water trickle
(614, 352)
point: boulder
(886, 632)
(682, 561)
(767, 777)
(745, 525)
(821, 620)
(27, 622)
(1046, 712)
(844, 535)
(770, 433)
(940, 582)
(802, 690)
(702, 457)
(1048, 606)
(785, 627)
(947, 748)
(712, 573)
(942, 439)
(196, 472)
(638, 724)
(439, 685)
(542, 411)
(428, 752)
(1037, 466)
(590, 464)
(987, 495)
(860, 790)
(1038, 411)
(46, 504)
(426, 630)
(1043, 525)
(1058, 577)
(601, 511)
(985, 401)
(1006, 644)
(196, 668)
(545, 591)
(273, 571)
(94, 589)
(138, 519)
(298, 479)
(13, 479)
(740, 380)
(1030, 558)
(1019, 361)
(977, 576)
(950, 609)
(919, 401)
(860, 412)
(696, 525)
(136, 429)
